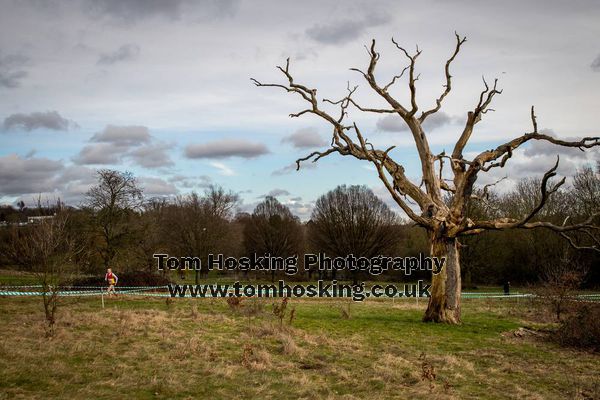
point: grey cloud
(132, 135)
(202, 181)
(302, 54)
(279, 192)
(345, 30)
(133, 10)
(23, 177)
(536, 160)
(178, 178)
(440, 119)
(288, 169)
(596, 64)
(226, 148)
(73, 182)
(127, 52)
(526, 167)
(11, 70)
(545, 148)
(384, 195)
(391, 123)
(540, 165)
(99, 154)
(300, 209)
(394, 123)
(20, 176)
(114, 143)
(152, 156)
(38, 120)
(11, 79)
(190, 182)
(156, 187)
(77, 173)
(305, 138)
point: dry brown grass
(144, 348)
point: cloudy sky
(162, 88)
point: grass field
(192, 348)
(11, 277)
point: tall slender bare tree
(447, 221)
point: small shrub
(169, 302)
(581, 329)
(254, 307)
(279, 310)
(345, 311)
(51, 301)
(247, 355)
(427, 370)
(288, 344)
(234, 302)
(193, 311)
(559, 284)
(255, 357)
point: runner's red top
(111, 278)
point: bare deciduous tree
(112, 201)
(200, 225)
(559, 283)
(447, 221)
(47, 249)
(352, 220)
(586, 185)
(273, 229)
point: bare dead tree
(446, 222)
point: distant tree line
(117, 227)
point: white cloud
(223, 169)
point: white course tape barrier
(162, 291)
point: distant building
(38, 219)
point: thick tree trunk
(444, 303)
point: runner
(112, 280)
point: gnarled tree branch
(448, 85)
